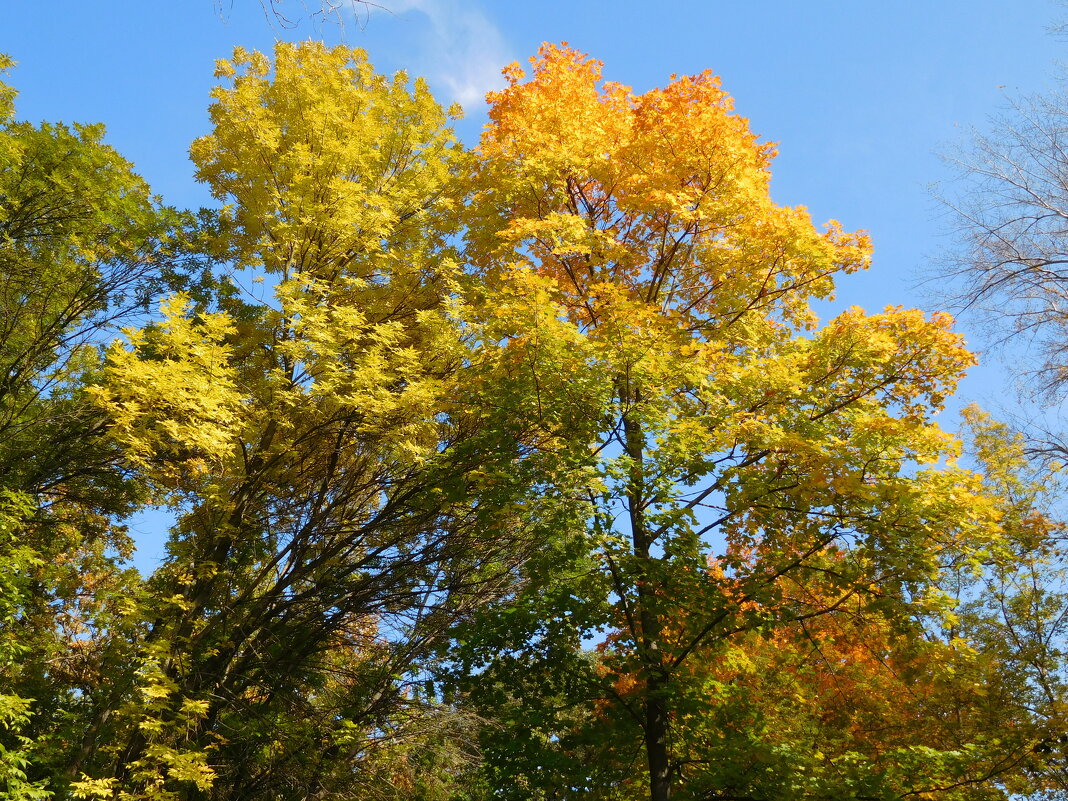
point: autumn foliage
(525, 471)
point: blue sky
(862, 97)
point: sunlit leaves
(322, 173)
(525, 472)
(172, 394)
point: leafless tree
(289, 15)
(1012, 216)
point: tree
(1015, 611)
(1009, 273)
(83, 246)
(314, 439)
(322, 11)
(739, 476)
(1012, 220)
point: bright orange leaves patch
(665, 193)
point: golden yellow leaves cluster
(172, 394)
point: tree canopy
(519, 471)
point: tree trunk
(655, 702)
(656, 748)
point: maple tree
(748, 472)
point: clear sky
(862, 96)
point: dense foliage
(525, 471)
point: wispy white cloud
(461, 49)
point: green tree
(82, 246)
